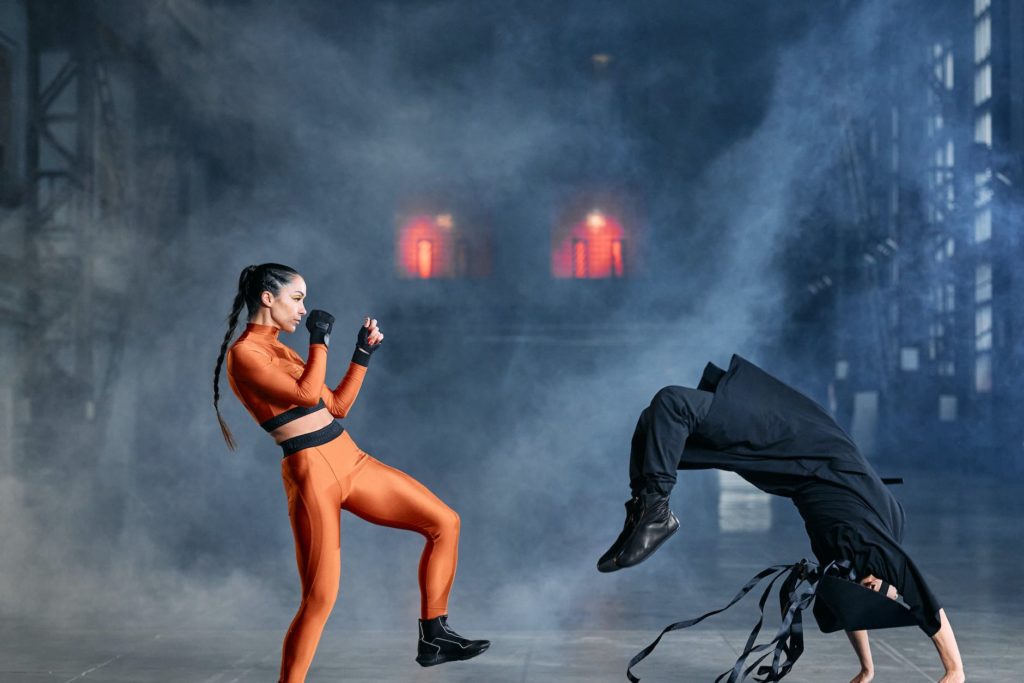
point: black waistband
(317, 438)
(289, 415)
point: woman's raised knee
(447, 523)
(452, 522)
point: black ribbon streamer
(795, 595)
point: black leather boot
(655, 525)
(607, 562)
(438, 643)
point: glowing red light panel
(579, 258)
(592, 248)
(424, 258)
(430, 247)
(422, 242)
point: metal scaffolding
(75, 201)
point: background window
(983, 129)
(983, 84)
(983, 282)
(983, 328)
(983, 374)
(982, 39)
(947, 408)
(983, 225)
(842, 369)
(864, 426)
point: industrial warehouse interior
(551, 210)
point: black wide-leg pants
(660, 436)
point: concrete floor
(966, 539)
(515, 657)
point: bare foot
(863, 677)
(953, 677)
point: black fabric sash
(795, 595)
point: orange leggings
(320, 482)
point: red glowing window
(579, 258)
(617, 258)
(424, 258)
(423, 246)
(438, 245)
(590, 246)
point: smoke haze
(513, 397)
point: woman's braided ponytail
(236, 310)
(252, 282)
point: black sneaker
(438, 643)
(607, 562)
(655, 525)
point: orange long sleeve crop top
(271, 380)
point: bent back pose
(746, 421)
(324, 471)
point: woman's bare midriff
(303, 425)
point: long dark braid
(252, 282)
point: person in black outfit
(746, 421)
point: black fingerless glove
(363, 351)
(319, 324)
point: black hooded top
(786, 444)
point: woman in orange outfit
(323, 470)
